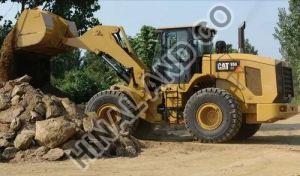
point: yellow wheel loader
(219, 97)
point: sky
(261, 17)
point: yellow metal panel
(272, 112)
(231, 88)
(268, 75)
(30, 28)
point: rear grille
(285, 85)
(288, 87)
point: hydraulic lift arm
(111, 43)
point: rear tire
(247, 131)
(231, 116)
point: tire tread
(235, 111)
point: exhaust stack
(242, 37)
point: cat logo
(225, 66)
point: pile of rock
(37, 126)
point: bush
(91, 77)
(80, 85)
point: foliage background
(288, 34)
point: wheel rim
(109, 110)
(209, 116)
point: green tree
(4, 29)
(249, 48)
(144, 44)
(65, 62)
(106, 76)
(230, 49)
(80, 85)
(288, 34)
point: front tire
(213, 115)
(119, 103)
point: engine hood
(245, 57)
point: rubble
(8, 135)
(41, 151)
(4, 100)
(4, 143)
(9, 153)
(7, 116)
(37, 126)
(24, 139)
(54, 154)
(15, 124)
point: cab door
(177, 55)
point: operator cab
(179, 52)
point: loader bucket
(43, 32)
(36, 37)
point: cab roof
(183, 26)
(175, 27)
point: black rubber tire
(117, 98)
(232, 115)
(246, 131)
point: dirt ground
(275, 150)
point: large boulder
(24, 139)
(54, 132)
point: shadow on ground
(179, 134)
(276, 139)
(280, 127)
